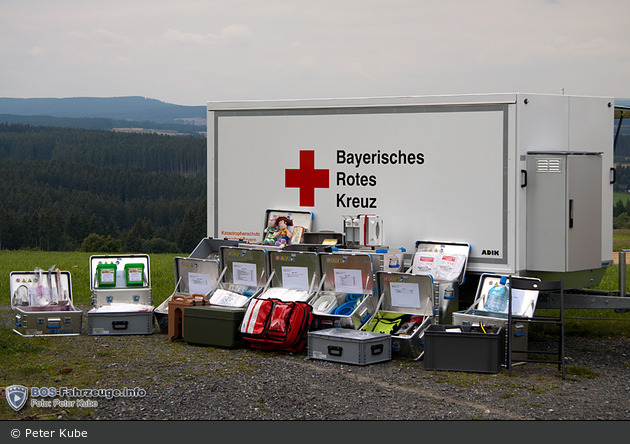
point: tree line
(67, 189)
(183, 155)
(102, 123)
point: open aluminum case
(523, 304)
(302, 222)
(294, 276)
(42, 303)
(122, 304)
(192, 276)
(210, 248)
(348, 290)
(446, 262)
(405, 310)
(244, 275)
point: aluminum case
(56, 316)
(525, 304)
(121, 309)
(345, 275)
(192, 276)
(349, 346)
(404, 298)
(446, 283)
(294, 270)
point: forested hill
(184, 155)
(120, 108)
(105, 113)
(144, 193)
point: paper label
(405, 295)
(295, 278)
(348, 281)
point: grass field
(621, 196)
(162, 272)
(163, 284)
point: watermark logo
(17, 396)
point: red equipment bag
(275, 325)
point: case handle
(570, 213)
(198, 296)
(53, 323)
(179, 297)
(524, 181)
(613, 180)
(377, 349)
(120, 325)
(335, 350)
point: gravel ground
(188, 382)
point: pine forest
(68, 189)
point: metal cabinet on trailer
(564, 210)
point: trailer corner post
(622, 272)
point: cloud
(110, 38)
(36, 51)
(235, 35)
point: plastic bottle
(497, 301)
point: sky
(189, 52)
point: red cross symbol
(306, 178)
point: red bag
(275, 325)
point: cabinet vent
(548, 165)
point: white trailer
(525, 179)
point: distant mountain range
(120, 108)
(120, 112)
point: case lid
(406, 293)
(523, 301)
(121, 261)
(348, 333)
(299, 219)
(298, 270)
(347, 272)
(40, 288)
(244, 266)
(445, 261)
(209, 248)
(195, 276)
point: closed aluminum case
(349, 346)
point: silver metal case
(404, 299)
(349, 286)
(349, 346)
(244, 270)
(123, 308)
(42, 303)
(294, 270)
(446, 283)
(476, 314)
(192, 276)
